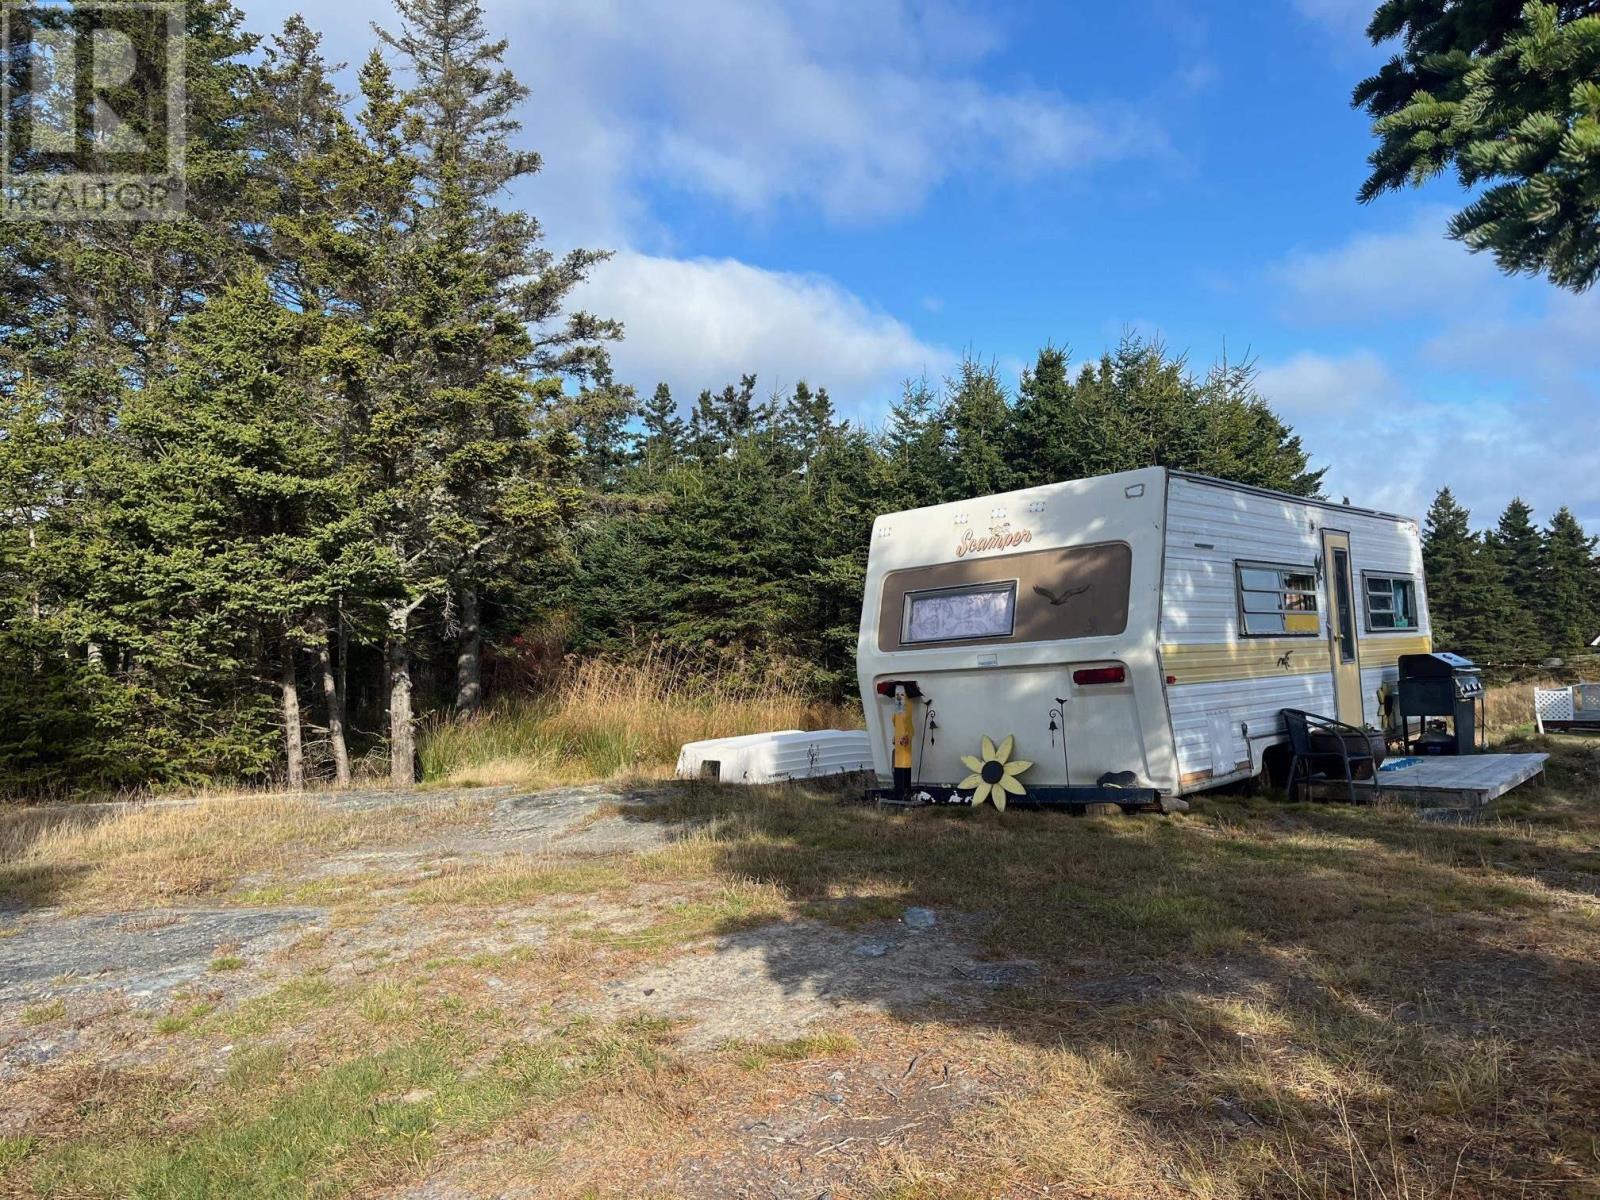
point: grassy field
(606, 719)
(1252, 999)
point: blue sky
(860, 192)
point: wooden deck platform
(1468, 781)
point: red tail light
(1093, 675)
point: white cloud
(757, 107)
(858, 112)
(1495, 394)
(855, 111)
(1345, 19)
(1373, 276)
(1391, 442)
(702, 323)
(1320, 385)
(1551, 350)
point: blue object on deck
(1400, 764)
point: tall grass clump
(604, 718)
(1508, 707)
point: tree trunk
(402, 729)
(293, 745)
(344, 658)
(333, 697)
(469, 657)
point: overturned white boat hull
(777, 757)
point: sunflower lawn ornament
(994, 775)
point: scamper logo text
(1001, 537)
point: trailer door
(1344, 650)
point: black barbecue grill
(1440, 685)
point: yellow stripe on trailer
(1384, 650)
(1268, 658)
(1254, 658)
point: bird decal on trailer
(1057, 601)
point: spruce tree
(232, 513)
(495, 309)
(1044, 445)
(662, 444)
(913, 446)
(1519, 550)
(1245, 441)
(1136, 408)
(832, 521)
(65, 721)
(807, 420)
(602, 418)
(1468, 600)
(303, 141)
(450, 343)
(1447, 548)
(1569, 607)
(91, 310)
(732, 587)
(1508, 95)
(977, 414)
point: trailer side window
(1391, 603)
(1277, 601)
(961, 614)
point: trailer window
(1277, 601)
(961, 614)
(1038, 596)
(1391, 603)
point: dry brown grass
(144, 855)
(607, 718)
(1251, 1000)
(1508, 707)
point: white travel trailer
(1145, 629)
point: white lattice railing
(1554, 704)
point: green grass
(227, 962)
(182, 1022)
(757, 1056)
(44, 1013)
(346, 1128)
(14, 1149)
(683, 922)
(855, 912)
(289, 1005)
(345, 889)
